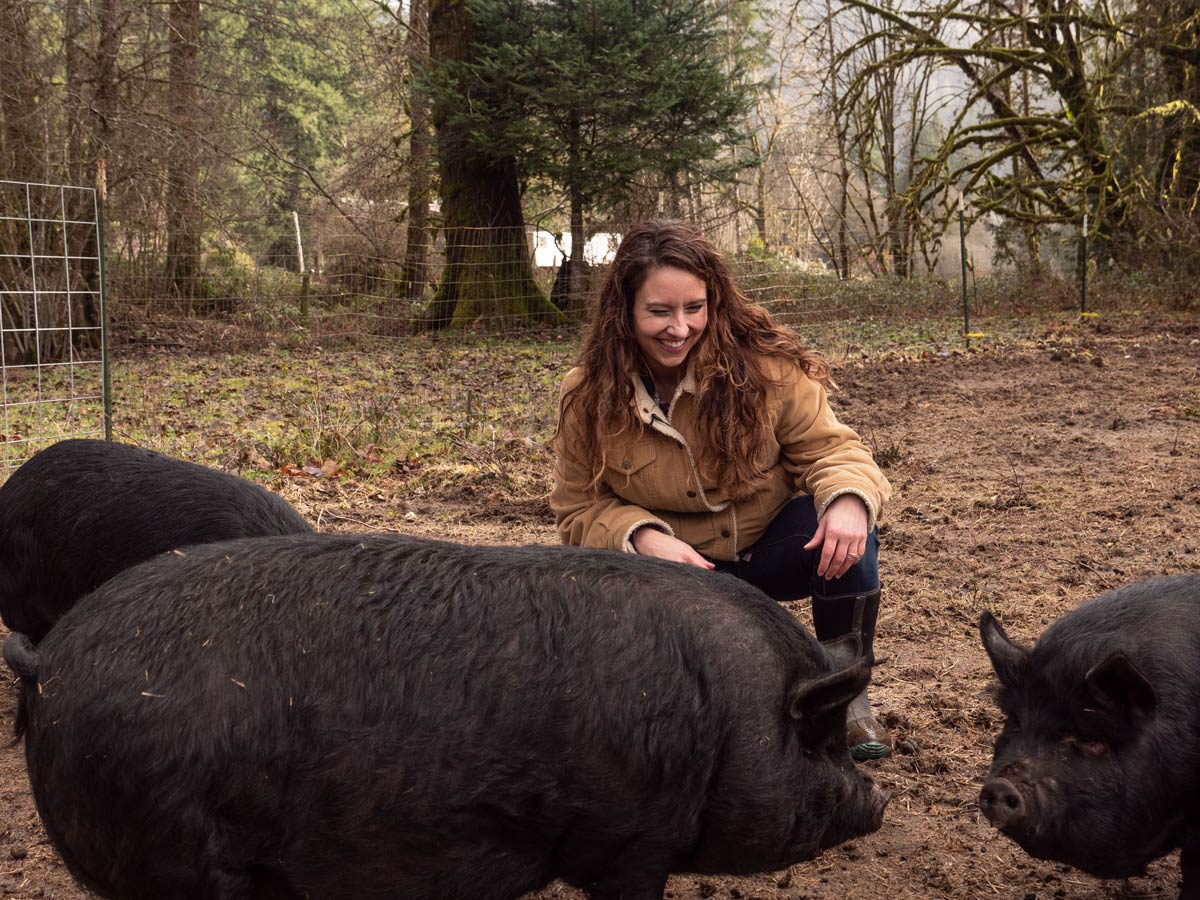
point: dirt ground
(1027, 480)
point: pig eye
(1087, 748)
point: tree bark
(104, 102)
(1179, 168)
(20, 151)
(840, 117)
(77, 167)
(19, 97)
(183, 165)
(413, 275)
(760, 203)
(577, 265)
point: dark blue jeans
(779, 566)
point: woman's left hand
(841, 535)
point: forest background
(416, 153)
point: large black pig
(381, 717)
(1098, 765)
(81, 511)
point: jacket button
(724, 532)
(626, 464)
(692, 494)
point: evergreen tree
(293, 90)
(591, 94)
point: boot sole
(871, 750)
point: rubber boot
(855, 613)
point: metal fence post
(1083, 266)
(962, 252)
(105, 374)
(304, 277)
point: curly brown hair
(731, 383)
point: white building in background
(598, 251)
(545, 253)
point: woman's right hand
(649, 541)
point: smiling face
(670, 313)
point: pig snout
(1003, 803)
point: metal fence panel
(52, 319)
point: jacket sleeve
(825, 457)
(584, 518)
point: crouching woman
(696, 429)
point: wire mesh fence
(372, 279)
(51, 316)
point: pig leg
(1189, 865)
(222, 884)
(229, 876)
(629, 886)
(638, 872)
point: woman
(695, 429)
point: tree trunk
(577, 265)
(760, 209)
(104, 102)
(843, 238)
(674, 210)
(19, 97)
(77, 167)
(487, 279)
(20, 147)
(183, 162)
(840, 125)
(413, 274)
(1179, 169)
(488, 275)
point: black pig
(81, 511)
(380, 717)
(1098, 765)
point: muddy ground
(1027, 479)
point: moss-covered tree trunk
(1179, 166)
(488, 276)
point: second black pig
(1098, 764)
(80, 511)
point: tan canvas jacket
(653, 479)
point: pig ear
(1007, 657)
(815, 697)
(845, 650)
(1118, 685)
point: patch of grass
(421, 403)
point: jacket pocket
(631, 474)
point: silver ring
(854, 555)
